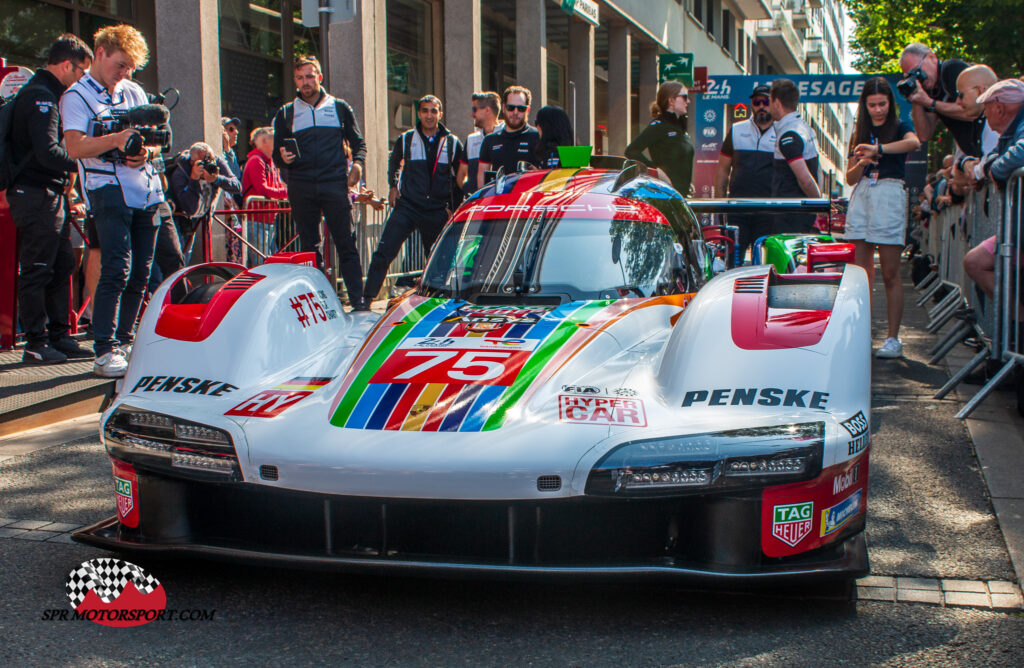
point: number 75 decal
(486, 367)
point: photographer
(37, 199)
(930, 85)
(195, 182)
(123, 187)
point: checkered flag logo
(107, 577)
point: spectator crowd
(86, 191)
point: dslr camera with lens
(908, 84)
(151, 123)
(209, 165)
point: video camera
(907, 85)
(150, 123)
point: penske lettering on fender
(183, 385)
(753, 396)
(601, 410)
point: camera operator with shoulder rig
(930, 85)
(110, 128)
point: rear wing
(760, 205)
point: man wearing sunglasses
(745, 165)
(516, 142)
(934, 97)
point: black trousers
(752, 227)
(46, 262)
(400, 224)
(311, 200)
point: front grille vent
(268, 472)
(549, 483)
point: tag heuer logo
(791, 523)
(124, 495)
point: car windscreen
(561, 259)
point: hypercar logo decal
(271, 403)
(601, 411)
(835, 518)
(791, 522)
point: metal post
(325, 11)
(572, 86)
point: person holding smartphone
(877, 215)
(309, 148)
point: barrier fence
(264, 226)
(993, 320)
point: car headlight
(718, 461)
(170, 443)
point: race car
(567, 392)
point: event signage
(676, 66)
(585, 9)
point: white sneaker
(891, 349)
(110, 365)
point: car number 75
(489, 367)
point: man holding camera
(36, 197)
(122, 186)
(930, 85)
(309, 148)
(195, 182)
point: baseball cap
(761, 90)
(1009, 91)
(226, 121)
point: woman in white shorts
(877, 215)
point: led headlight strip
(716, 461)
(169, 442)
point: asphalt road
(928, 516)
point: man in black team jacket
(514, 143)
(319, 177)
(433, 161)
(37, 204)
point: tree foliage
(980, 31)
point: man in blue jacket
(319, 176)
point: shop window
(410, 47)
(28, 29)
(119, 8)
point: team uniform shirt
(795, 141)
(474, 143)
(504, 150)
(752, 152)
(670, 149)
(81, 107)
(319, 131)
(428, 167)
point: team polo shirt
(503, 149)
(795, 141)
(474, 143)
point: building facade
(595, 58)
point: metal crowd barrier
(951, 234)
(264, 226)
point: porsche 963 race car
(568, 391)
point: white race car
(566, 392)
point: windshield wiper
(523, 275)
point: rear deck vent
(268, 472)
(549, 483)
(753, 284)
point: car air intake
(549, 483)
(268, 472)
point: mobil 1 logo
(858, 428)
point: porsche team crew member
(36, 198)
(745, 166)
(515, 143)
(432, 162)
(319, 177)
(486, 115)
(795, 169)
(123, 193)
(665, 137)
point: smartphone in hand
(291, 146)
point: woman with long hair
(665, 138)
(877, 215)
(555, 130)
